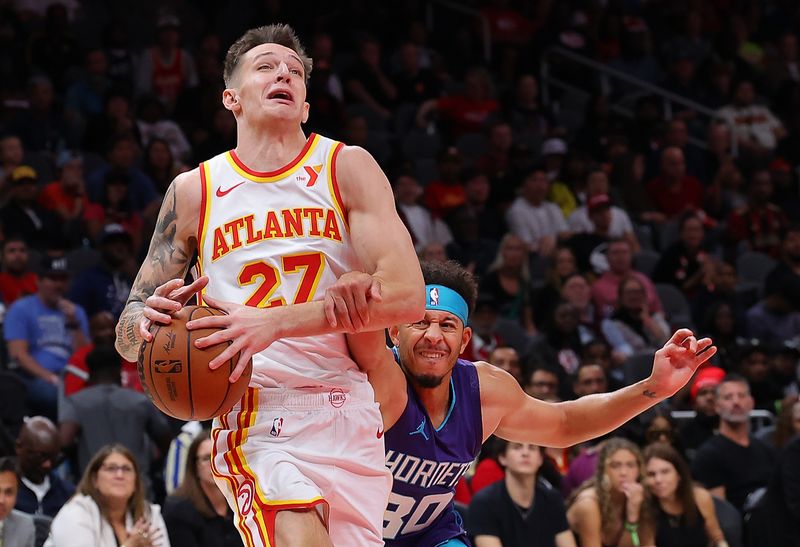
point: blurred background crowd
(609, 169)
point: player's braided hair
(452, 275)
(280, 34)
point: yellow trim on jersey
(283, 173)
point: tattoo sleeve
(167, 258)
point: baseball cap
(24, 173)
(706, 377)
(598, 202)
(552, 147)
(54, 266)
(68, 156)
(112, 231)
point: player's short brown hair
(280, 34)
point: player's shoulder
(187, 188)
(494, 380)
(351, 156)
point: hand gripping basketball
(167, 299)
(244, 327)
(176, 375)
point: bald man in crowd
(41, 490)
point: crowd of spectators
(597, 217)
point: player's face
(269, 81)
(116, 478)
(429, 348)
(662, 478)
(622, 467)
(521, 459)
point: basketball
(175, 373)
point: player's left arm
(511, 414)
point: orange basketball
(175, 373)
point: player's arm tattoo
(650, 394)
(166, 259)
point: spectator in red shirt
(16, 279)
(447, 193)
(66, 197)
(464, 113)
(673, 191)
(76, 373)
(759, 224)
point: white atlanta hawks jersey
(278, 238)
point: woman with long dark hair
(611, 508)
(109, 508)
(197, 513)
(685, 515)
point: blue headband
(441, 298)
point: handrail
(758, 414)
(606, 71)
(486, 33)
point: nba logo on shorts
(434, 296)
(277, 424)
(244, 496)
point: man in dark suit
(16, 528)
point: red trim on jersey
(201, 220)
(335, 183)
(277, 172)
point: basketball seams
(189, 366)
(228, 383)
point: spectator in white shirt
(620, 227)
(757, 128)
(538, 222)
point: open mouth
(280, 95)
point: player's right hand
(347, 300)
(167, 299)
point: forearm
(31, 365)
(128, 337)
(400, 303)
(595, 415)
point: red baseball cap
(598, 202)
(706, 377)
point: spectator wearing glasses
(41, 490)
(197, 513)
(110, 508)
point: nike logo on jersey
(380, 432)
(420, 430)
(222, 193)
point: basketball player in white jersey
(275, 222)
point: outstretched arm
(158, 288)
(511, 414)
